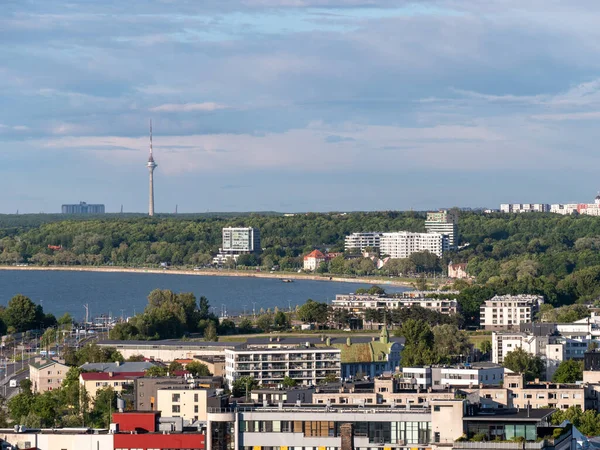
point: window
(175, 398)
(196, 399)
(196, 409)
(175, 408)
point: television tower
(151, 166)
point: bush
(479, 437)
(557, 432)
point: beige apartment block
(94, 381)
(516, 393)
(191, 404)
(385, 392)
(46, 374)
(215, 364)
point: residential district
(329, 391)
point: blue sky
(298, 105)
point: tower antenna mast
(151, 166)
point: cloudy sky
(298, 105)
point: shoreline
(215, 273)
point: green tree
(243, 386)
(450, 343)
(175, 366)
(136, 358)
(105, 403)
(485, 346)
(20, 405)
(418, 348)
(198, 369)
(289, 382)
(569, 371)
(281, 321)
(313, 312)
(210, 334)
(22, 314)
(520, 361)
(65, 320)
(156, 371)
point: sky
(298, 105)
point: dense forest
(557, 256)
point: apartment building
(94, 381)
(402, 244)
(445, 377)
(241, 240)
(524, 207)
(516, 393)
(190, 402)
(145, 389)
(445, 223)
(313, 260)
(305, 364)
(507, 312)
(382, 391)
(46, 374)
(357, 304)
(361, 241)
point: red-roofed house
(93, 381)
(313, 260)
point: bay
(125, 294)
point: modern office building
(82, 208)
(361, 241)
(305, 364)
(507, 312)
(402, 244)
(446, 223)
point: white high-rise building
(241, 240)
(506, 312)
(362, 241)
(402, 244)
(444, 222)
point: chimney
(347, 435)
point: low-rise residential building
(360, 355)
(46, 374)
(270, 365)
(187, 402)
(118, 367)
(445, 377)
(507, 312)
(94, 381)
(357, 304)
(382, 391)
(215, 364)
(313, 260)
(145, 389)
(516, 393)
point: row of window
(377, 432)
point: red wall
(160, 441)
(136, 421)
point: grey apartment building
(82, 208)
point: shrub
(479, 437)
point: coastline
(214, 273)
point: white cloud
(189, 107)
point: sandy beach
(215, 273)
